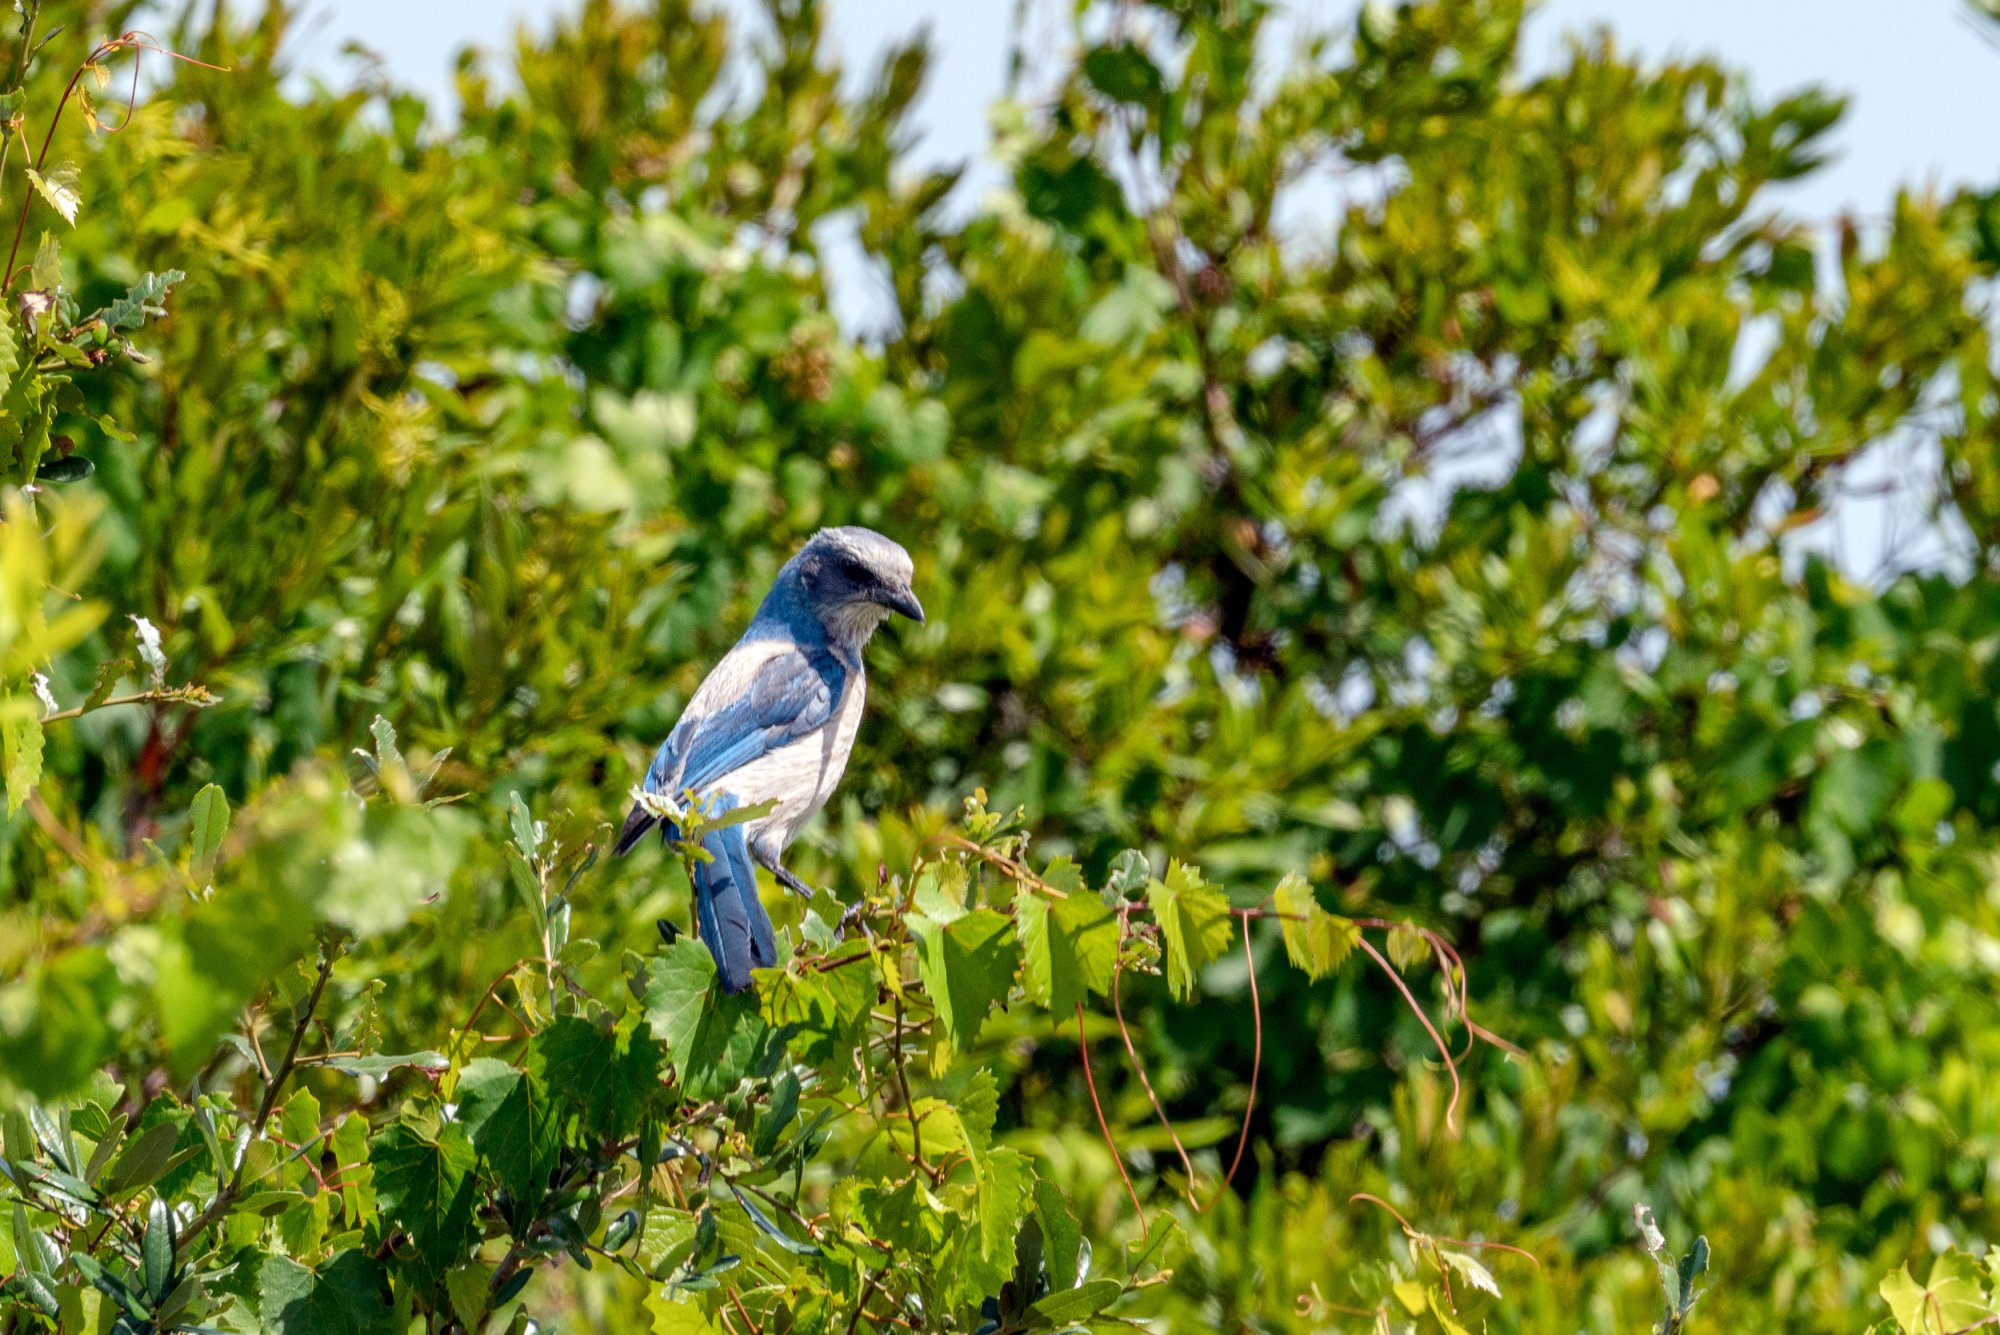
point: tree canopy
(1383, 829)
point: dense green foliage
(462, 452)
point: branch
(197, 696)
(226, 1195)
(903, 1083)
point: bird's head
(853, 578)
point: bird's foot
(848, 919)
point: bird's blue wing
(788, 696)
(784, 697)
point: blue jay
(774, 722)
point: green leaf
(161, 1238)
(300, 1118)
(1062, 1236)
(527, 831)
(36, 1290)
(507, 1115)
(1692, 1267)
(1956, 1288)
(967, 967)
(20, 751)
(1005, 1192)
(142, 301)
(778, 1113)
(426, 1186)
(349, 1144)
(380, 1064)
(1194, 924)
(58, 187)
(208, 823)
(1084, 1301)
(343, 1297)
(672, 1316)
(1955, 1296)
(72, 468)
(1407, 947)
(675, 992)
(1905, 1298)
(606, 1076)
(1317, 941)
(712, 1038)
(470, 1287)
(1069, 944)
(45, 275)
(667, 1238)
(10, 347)
(1123, 73)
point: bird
(774, 721)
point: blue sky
(1924, 83)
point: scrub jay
(774, 722)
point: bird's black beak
(898, 598)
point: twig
(1018, 871)
(861, 1303)
(197, 696)
(737, 1301)
(909, 1104)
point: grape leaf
(506, 1113)
(967, 966)
(1317, 941)
(1069, 944)
(427, 1187)
(58, 188)
(1194, 924)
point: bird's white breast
(802, 774)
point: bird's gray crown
(850, 578)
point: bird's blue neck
(788, 612)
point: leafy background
(496, 433)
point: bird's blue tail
(728, 915)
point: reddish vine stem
(1451, 1109)
(133, 40)
(1256, 1065)
(1104, 1125)
(1456, 988)
(1125, 1032)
